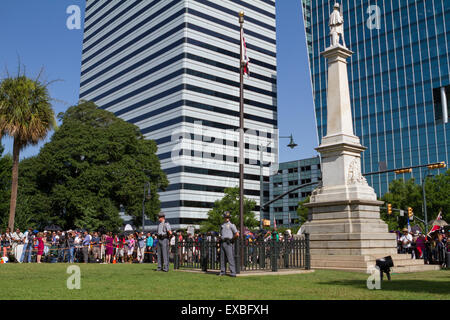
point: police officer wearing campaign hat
(228, 233)
(163, 233)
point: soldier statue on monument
(336, 26)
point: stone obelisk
(344, 219)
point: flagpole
(241, 138)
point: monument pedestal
(344, 224)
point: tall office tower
(399, 80)
(172, 68)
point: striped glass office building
(399, 80)
(172, 68)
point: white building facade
(172, 69)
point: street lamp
(429, 167)
(147, 195)
(291, 145)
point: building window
(306, 194)
(292, 208)
(306, 181)
(278, 209)
(439, 111)
(293, 195)
(277, 184)
(306, 168)
(293, 183)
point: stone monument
(345, 228)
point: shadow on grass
(413, 286)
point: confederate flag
(245, 59)
(436, 227)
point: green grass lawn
(139, 281)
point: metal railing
(257, 255)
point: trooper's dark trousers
(227, 252)
(163, 255)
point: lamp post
(146, 196)
(291, 145)
(261, 183)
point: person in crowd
(148, 250)
(61, 246)
(103, 247)
(420, 246)
(78, 243)
(86, 244)
(109, 247)
(140, 247)
(6, 242)
(40, 249)
(118, 245)
(95, 242)
(17, 244)
(406, 240)
(130, 243)
(28, 246)
(70, 244)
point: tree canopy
(230, 202)
(403, 194)
(94, 164)
(27, 116)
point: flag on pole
(245, 59)
(409, 226)
(436, 227)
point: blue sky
(35, 32)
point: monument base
(349, 235)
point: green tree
(230, 202)
(437, 191)
(95, 163)
(5, 187)
(302, 211)
(403, 194)
(27, 116)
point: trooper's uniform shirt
(227, 231)
(163, 228)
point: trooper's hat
(336, 5)
(226, 214)
(161, 215)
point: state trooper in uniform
(228, 233)
(164, 232)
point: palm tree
(27, 116)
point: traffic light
(410, 212)
(389, 208)
(437, 165)
(400, 171)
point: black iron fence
(249, 256)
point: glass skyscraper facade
(172, 68)
(399, 80)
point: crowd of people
(432, 248)
(78, 246)
(82, 246)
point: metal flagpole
(241, 139)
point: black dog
(385, 264)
